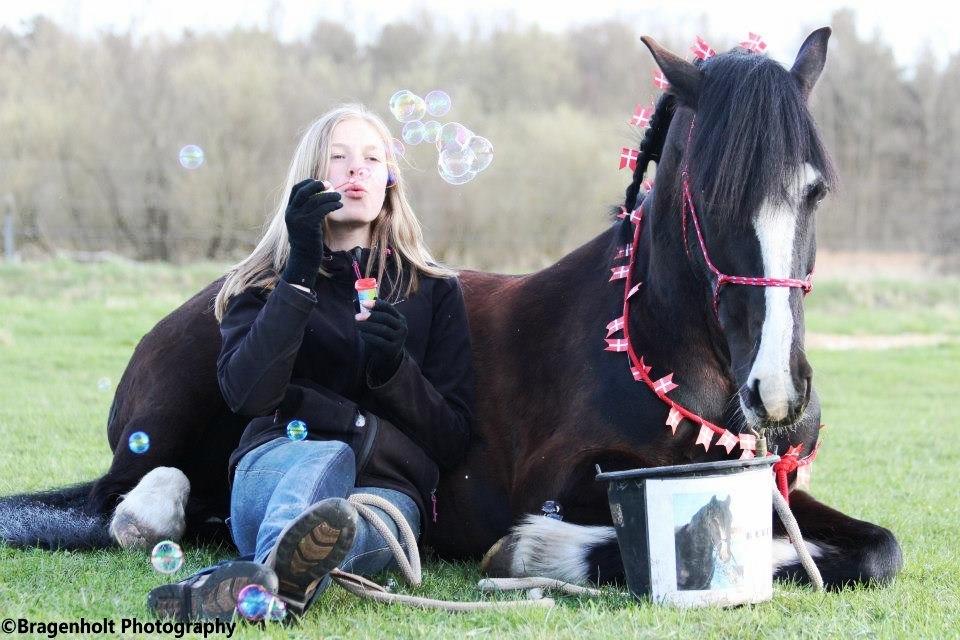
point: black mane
(753, 129)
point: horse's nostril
(755, 401)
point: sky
(780, 23)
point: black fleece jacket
(289, 354)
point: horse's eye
(816, 194)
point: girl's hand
(384, 331)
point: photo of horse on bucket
(674, 337)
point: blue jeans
(277, 481)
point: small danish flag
(704, 437)
(641, 116)
(754, 43)
(794, 450)
(628, 158)
(664, 385)
(618, 344)
(748, 442)
(660, 80)
(624, 252)
(647, 185)
(747, 454)
(701, 49)
(727, 441)
(633, 290)
(674, 418)
(619, 273)
(614, 325)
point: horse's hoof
(153, 511)
(498, 560)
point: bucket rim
(683, 469)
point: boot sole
(215, 597)
(310, 547)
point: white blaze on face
(775, 227)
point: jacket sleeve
(260, 341)
(434, 404)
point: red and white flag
(633, 290)
(641, 116)
(647, 185)
(704, 437)
(794, 450)
(747, 454)
(664, 385)
(674, 418)
(624, 252)
(619, 273)
(628, 158)
(727, 440)
(748, 442)
(701, 49)
(660, 80)
(614, 325)
(754, 43)
(618, 344)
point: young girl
(344, 398)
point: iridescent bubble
(438, 103)
(276, 610)
(456, 163)
(458, 180)
(398, 148)
(139, 442)
(453, 136)
(166, 557)
(413, 132)
(103, 384)
(191, 157)
(431, 131)
(407, 106)
(253, 602)
(482, 153)
(363, 172)
(296, 429)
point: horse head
(742, 172)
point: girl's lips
(354, 192)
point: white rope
(793, 531)
(364, 588)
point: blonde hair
(396, 226)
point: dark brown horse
(552, 402)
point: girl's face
(358, 170)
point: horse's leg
(151, 491)
(846, 550)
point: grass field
(892, 448)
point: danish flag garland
(790, 460)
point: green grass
(890, 456)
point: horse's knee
(881, 558)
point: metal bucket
(696, 534)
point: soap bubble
(191, 157)
(413, 132)
(482, 152)
(456, 162)
(253, 602)
(276, 610)
(166, 557)
(407, 106)
(431, 131)
(453, 136)
(438, 103)
(398, 148)
(103, 384)
(363, 172)
(456, 180)
(139, 442)
(296, 429)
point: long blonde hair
(396, 227)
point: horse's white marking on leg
(775, 227)
(154, 510)
(554, 549)
(784, 553)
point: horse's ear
(810, 60)
(685, 79)
(727, 501)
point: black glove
(309, 205)
(383, 333)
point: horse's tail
(544, 547)
(53, 519)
